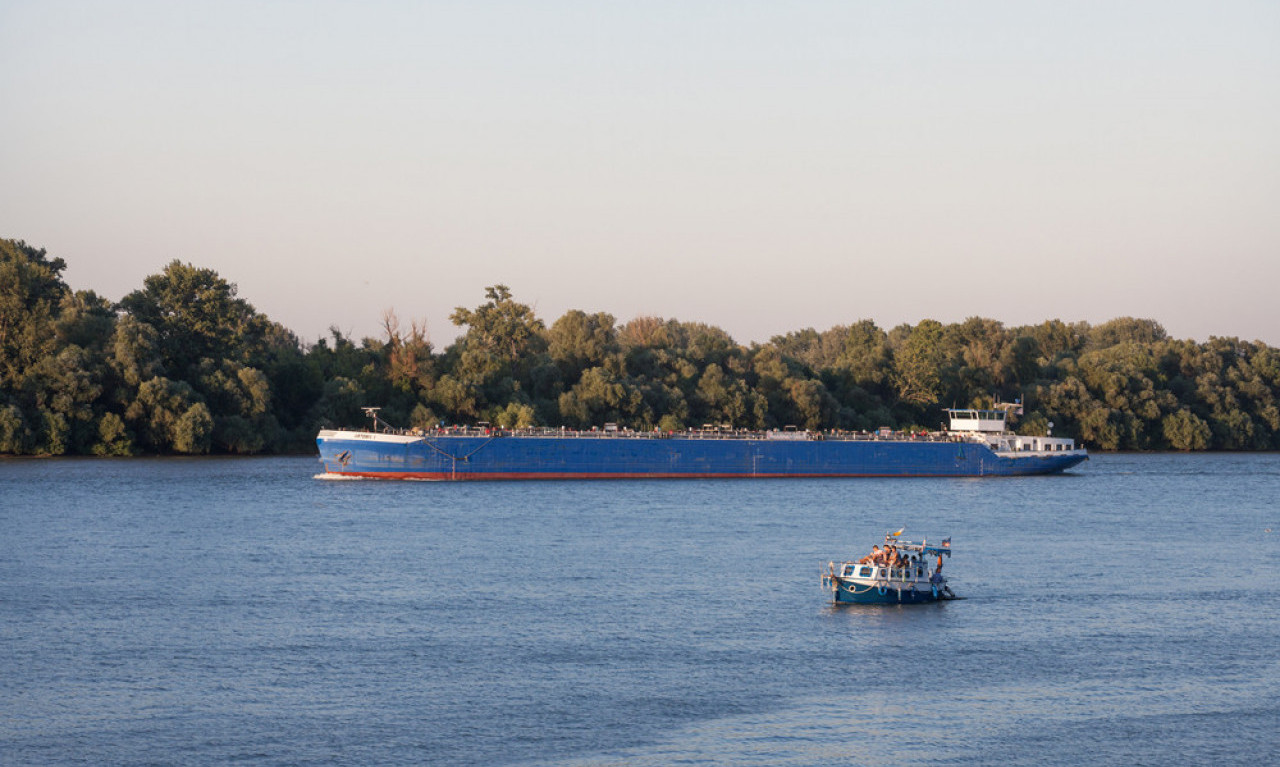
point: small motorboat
(903, 572)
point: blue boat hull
(478, 457)
(851, 593)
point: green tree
(340, 404)
(155, 415)
(515, 416)
(809, 347)
(917, 363)
(31, 292)
(84, 319)
(197, 315)
(1056, 339)
(55, 433)
(1125, 330)
(578, 341)
(499, 331)
(135, 351)
(1034, 425)
(1126, 378)
(774, 374)
(239, 401)
(601, 396)
(296, 387)
(865, 357)
(113, 437)
(63, 388)
(726, 399)
(986, 359)
(1185, 430)
(455, 398)
(193, 432)
(14, 432)
(502, 345)
(812, 403)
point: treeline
(182, 365)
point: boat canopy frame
(923, 547)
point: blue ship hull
(851, 593)
(442, 456)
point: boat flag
(901, 530)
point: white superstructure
(991, 428)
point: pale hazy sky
(761, 166)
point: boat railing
(838, 435)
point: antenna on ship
(372, 412)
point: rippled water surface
(213, 611)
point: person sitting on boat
(871, 558)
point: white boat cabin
(991, 427)
(989, 421)
(917, 571)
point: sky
(759, 166)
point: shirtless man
(895, 558)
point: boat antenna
(372, 412)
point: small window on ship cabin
(865, 572)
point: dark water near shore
(210, 611)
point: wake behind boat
(903, 572)
(976, 444)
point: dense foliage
(182, 365)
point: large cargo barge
(977, 444)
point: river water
(213, 611)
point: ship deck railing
(707, 434)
